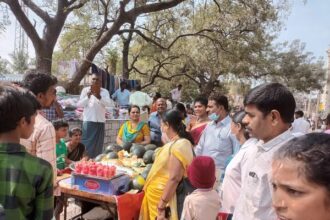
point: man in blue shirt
(122, 95)
(154, 122)
(216, 140)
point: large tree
(115, 15)
(45, 42)
(297, 68)
(222, 41)
(207, 41)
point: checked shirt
(26, 184)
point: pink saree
(196, 133)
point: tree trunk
(113, 66)
(44, 60)
(44, 55)
(91, 53)
(207, 89)
(44, 47)
(125, 51)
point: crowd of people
(255, 163)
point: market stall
(115, 117)
(113, 178)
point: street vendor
(134, 130)
(94, 100)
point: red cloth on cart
(129, 205)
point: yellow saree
(159, 175)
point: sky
(308, 21)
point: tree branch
(36, 9)
(218, 5)
(122, 6)
(156, 71)
(135, 58)
(77, 6)
(24, 22)
(198, 33)
(143, 36)
(105, 19)
(160, 6)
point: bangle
(160, 209)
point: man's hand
(89, 93)
(96, 91)
(58, 109)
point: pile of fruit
(131, 155)
(140, 155)
(95, 169)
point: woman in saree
(76, 150)
(134, 130)
(198, 121)
(169, 168)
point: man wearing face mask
(216, 140)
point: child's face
(295, 197)
(76, 137)
(62, 132)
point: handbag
(183, 189)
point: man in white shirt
(269, 113)
(94, 99)
(300, 125)
(142, 100)
(176, 93)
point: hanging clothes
(112, 82)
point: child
(61, 130)
(204, 202)
(26, 190)
(300, 178)
(76, 150)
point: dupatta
(130, 134)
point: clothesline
(112, 82)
